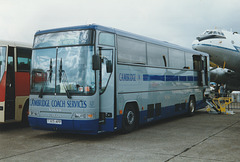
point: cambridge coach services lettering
(79, 104)
(127, 77)
(42, 103)
(59, 103)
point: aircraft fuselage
(222, 46)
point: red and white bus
(15, 61)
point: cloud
(169, 20)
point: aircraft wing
(226, 76)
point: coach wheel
(129, 119)
(191, 106)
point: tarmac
(202, 137)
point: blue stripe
(195, 78)
(190, 78)
(171, 78)
(182, 78)
(234, 50)
(147, 77)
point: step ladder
(219, 104)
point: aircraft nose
(195, 44)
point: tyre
(191, 106)
(129, 122)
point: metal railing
(235, 105)
(236, 100)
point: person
(221, 90)
(212, 88)
(217, 91)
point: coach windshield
(62, 64)
(2, 61)
(67, 38)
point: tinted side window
(131, 51)
(176, 58)
(23, 59)
(157, 55)
(197, 63)
(189, 60)
(106, 39)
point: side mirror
(109, 66)
(95, 62)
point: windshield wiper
(41, 92)
(65, 78)
(48, 79)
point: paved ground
(203, 137)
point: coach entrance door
(10, 86)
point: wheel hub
(130, 117)
(191, 106)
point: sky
(175, 21)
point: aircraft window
(210, 32)
(215, 32)
(219, 33)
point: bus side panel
(108, 126)
(22, 84)
(19, 104)
(3, 88)
(2, 98)
(160, 93)
(164, 104)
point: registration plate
(54, 121)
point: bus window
(131, 51)
(165, 61)
(23, 59)
(2, 61)
(189, 60)
(197, 63)
(205, 70)
(63, 39)
(106, 55)
(75, 73)
(43, 70)
(176, 59)
(106, 39)
(156, 55)
(10, 62)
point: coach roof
(121, 33)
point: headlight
(84, 115)
(33, 113)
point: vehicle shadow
(75, 137)
(12, 126)
(104, 136)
